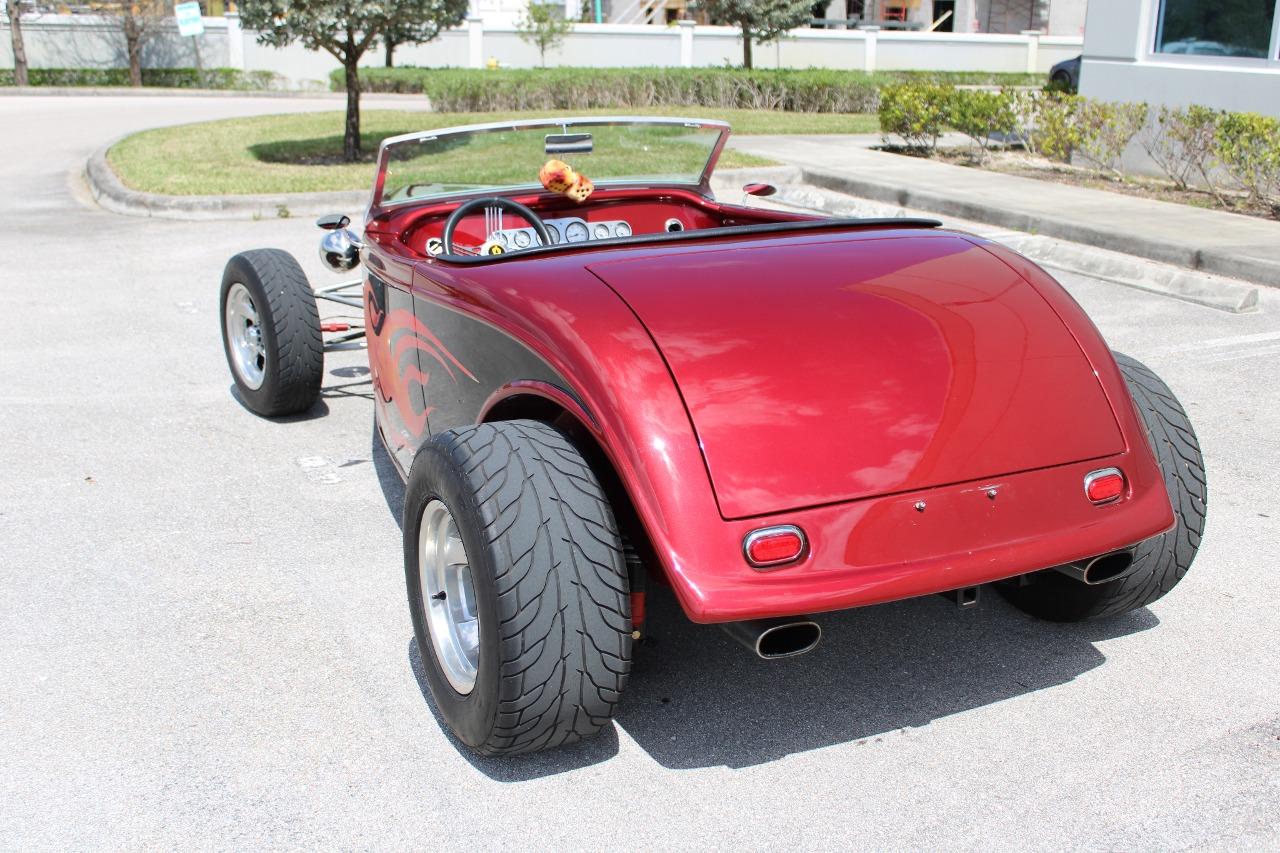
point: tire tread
(565, 622)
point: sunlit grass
(301, 152)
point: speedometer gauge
(576, 232)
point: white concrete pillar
(966, 16)
(1033, 50)
(872, 35)
(573, 10)
(235, 41)
(686, 42)
(475, 42)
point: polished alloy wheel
(448, 597)
(244, 334)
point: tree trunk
(351, 135)
(133, 46)
(391, 49)
(746, 47)
(19, 49)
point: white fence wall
(89, 41)
(61, 41)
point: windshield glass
(505, 157)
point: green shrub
(1024, 105)
(172, 78)
(1104, 130)
(810, 90)
(1183, 144)
(979, 115)
(1248, 146)
(916, 112)
(1057, 125)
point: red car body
(922, 403)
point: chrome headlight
(340, 249)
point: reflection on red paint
(812, 379)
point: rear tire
(1160, 562)
(551, 600)
(271, 332)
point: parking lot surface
(206, 641)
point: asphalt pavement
(206, 642)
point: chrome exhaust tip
(772, 639)
(1099, 570)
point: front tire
(1159, 562)
(271, 332)
(552, 616)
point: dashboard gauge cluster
(567, 230)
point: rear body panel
(847, 369)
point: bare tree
(19, 49)
(543, 27)
(140, 21)
(346, 29)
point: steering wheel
(507, 204)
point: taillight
(1104, 486)
(774, 546)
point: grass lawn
(301, 152)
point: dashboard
(569, 229)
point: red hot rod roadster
(592, 374)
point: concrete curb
(1231, 265)
(818, 191)
(112, 195)
(1211, 291)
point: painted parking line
(1236, 356)
(1217, 343)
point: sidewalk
(1226, 244)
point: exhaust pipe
(776, 638)
(1099, 570)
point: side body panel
(393, 340)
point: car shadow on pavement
(520, 768)
(318, 410)
(698, 699)
(388, 477)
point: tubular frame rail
(341, 335)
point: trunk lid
(833, 369)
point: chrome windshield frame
(703, 185)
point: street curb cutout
(1212, 291)
(1212, 262)
(112, 195)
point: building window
(1215, 27)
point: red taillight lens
(1105, 486)
(773, 546)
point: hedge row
(1218, 150)
(169, 78)
(812, 90)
